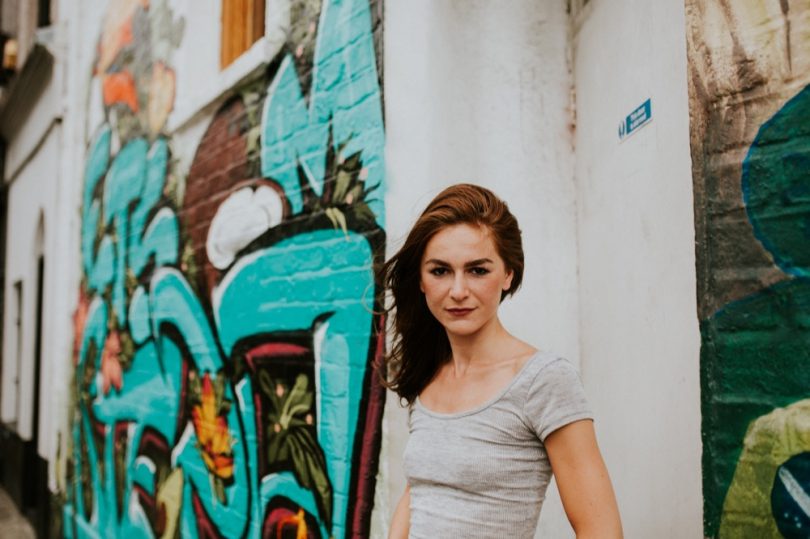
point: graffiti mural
(750, 112)
(229, 322)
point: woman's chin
(461, 328)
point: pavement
(12, 524)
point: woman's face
(462, 277)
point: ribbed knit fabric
(483, 473)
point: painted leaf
(294, 442)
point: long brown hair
(420, 344)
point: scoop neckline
(486, 404)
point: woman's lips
(459, 312)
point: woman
(491, 417)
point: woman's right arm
(582, 479)
(400, 523)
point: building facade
(197, 198)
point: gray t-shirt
(483, 473)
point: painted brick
(749, 153)
(202, 361)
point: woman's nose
(459, 291)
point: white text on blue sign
(636, 120)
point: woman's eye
(438, 271)
(479, 271)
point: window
(43, 13)
(242, 26)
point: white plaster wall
(32, 195)
(77, 31)
(478, 91)
(24, 143)
(640, 342)
(34, 169)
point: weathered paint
(754, 258)
(225, 338)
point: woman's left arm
(583, 481)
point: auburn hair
(420, 343)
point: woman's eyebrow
(470, 264)
(478, 262)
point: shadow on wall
(227, 328)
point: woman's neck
(487, 345)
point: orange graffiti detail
(212, 432)
(120, 88)
(79, 321)
(111, 374)
(293, 520)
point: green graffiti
(755, 355)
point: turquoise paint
(97, 163)
(161, 237)
(139, 316)
(316, 282)
(293, 299)
(345, 96)
(776, 187)
(122, 187)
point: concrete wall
(479, 91)
(226, 317)
(750, 106)
(638, 330)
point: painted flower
(294, 443)
(296, 520)
(285, 521)
(111, 372)
(212, 431)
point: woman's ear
(507, 283)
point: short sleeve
(555, 399)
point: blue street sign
(636, 120)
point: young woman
(491, 417)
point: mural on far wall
(229, 324)
(750, 129)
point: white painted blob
(244, 216)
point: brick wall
(227, 331)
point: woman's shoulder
(532, 370)
(541, 360)
(546, 374)
(552, 394)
